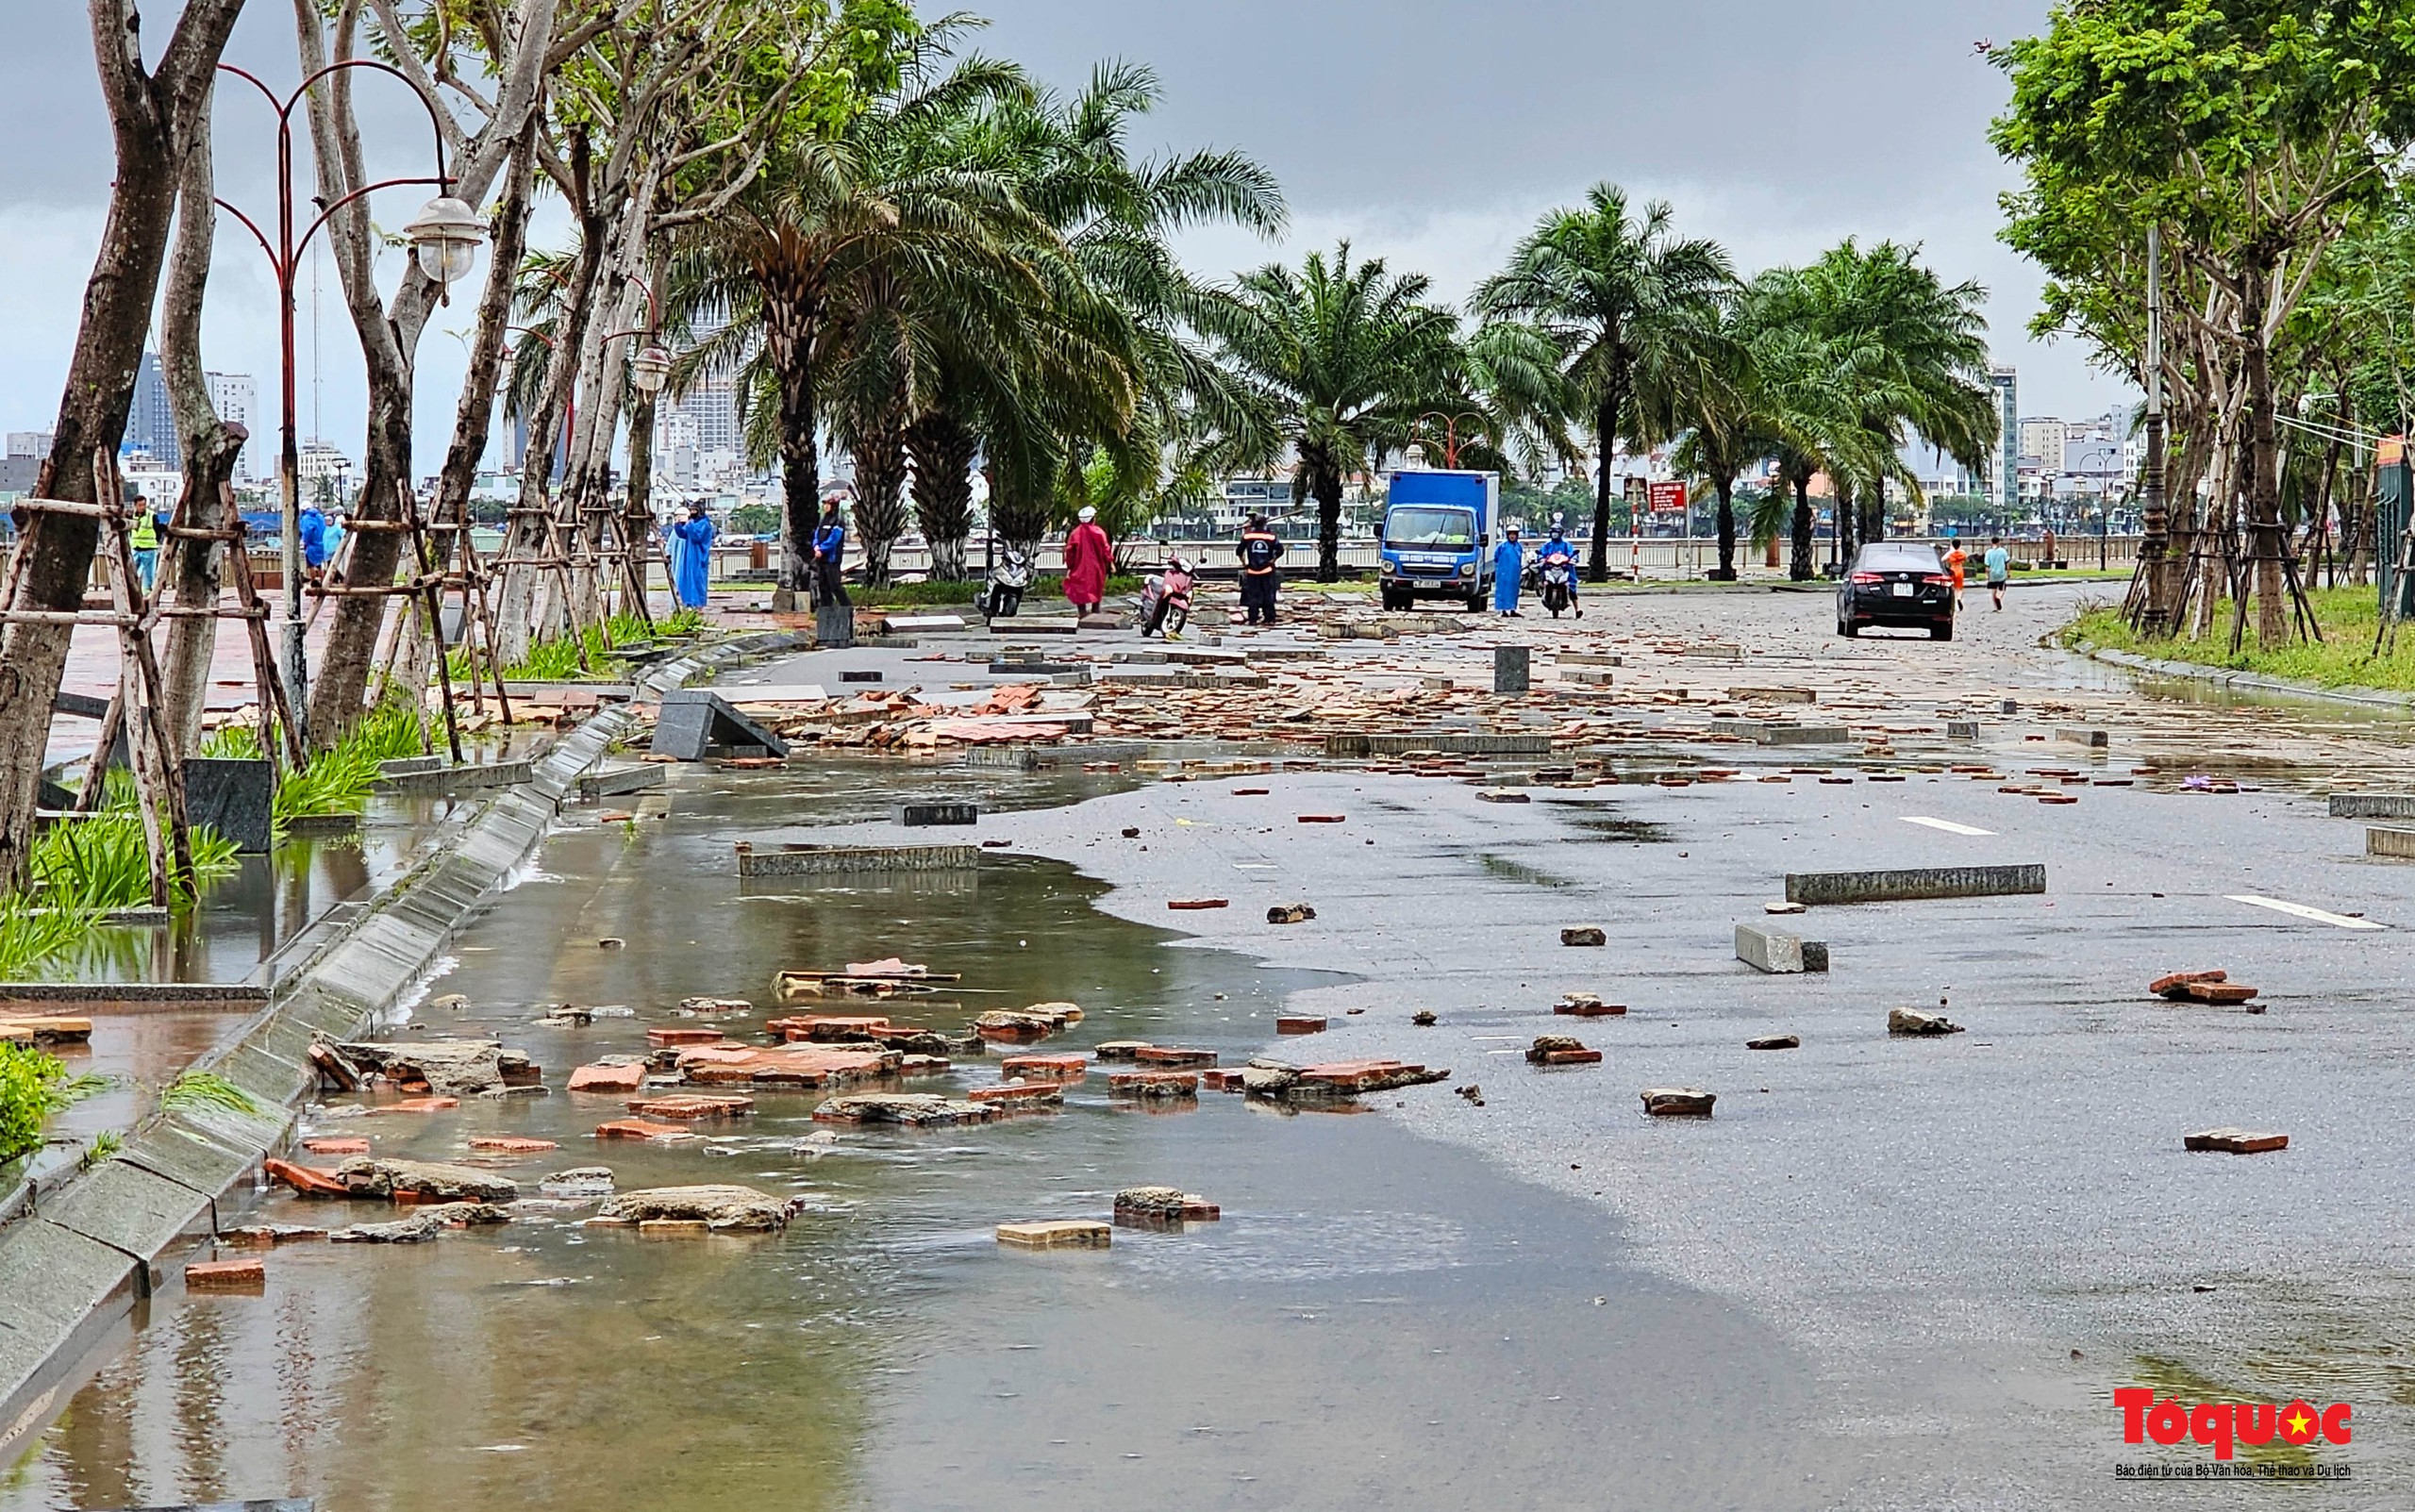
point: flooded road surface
(1377, 1320)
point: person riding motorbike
(1556, 552)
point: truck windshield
(1451, 529)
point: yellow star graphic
(2299, 1424)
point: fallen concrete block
(1961, 729)
(1678, 1102)
(426, 1224)
(2399, 844)
(2094, 739)
(231, 795)
(924, 816)
(859, 674)
(784, 1066)
(335, 1145)
(1299, 1024)
(226, 1275)
(2235, 1141)
(1062, 1234)
(1776, 1042)
(1587, 676)
(912, 1109)
(1916, 1021)
(814, 860)
(2373, 806)
(1322, 818)
(579, 1181)
(424, 1181)
(1453, 744)
(1509, 670)
(1013, 1026)
(1583, 935)
(1923, 882)
(719, 1207)
(1778, 953)
(1504, 795)
(1019, 1096)
(1806, 735)
(614, 782)
(1560, 1050)
(1775, 696)
(693, 721)
(1120, 1049)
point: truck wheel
(1475, 602)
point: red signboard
(1669, 498)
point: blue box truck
(1438, 537)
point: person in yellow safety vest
(144, 538)
(1258, 551)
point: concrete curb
(2256, 682)
(72, 1266)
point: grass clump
(34, 1084)
(103, 862)
(2343, 658)
(201, 1091)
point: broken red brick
(2176, 984)
(1011, 1093)
(674, 1035)
(607, 1078)
(307, 1180)
(420, 1105)
(226, 1275)
(1197, 903)
(2219, 991)
(1249, 793)
(509, 1144)
(642, 1129)
(1226, 1080)
(2235, 1141)
(1321, 819)
(784, 1066)
(690, 1105)
(1300, 1023)
(329, 1144)
(1170, 1058)
(1044, 1068)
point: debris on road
(1299, 1024)
(423, 1226)
(1561, 1050)
(1678, 1102)
(2235, 1141)
(1916, 1021)
(1063, 1234)
(1587, 1005)
(720, 1208)
(1290, 913)
(226, 1275)
(422, 1181)
(1154, 1085)
(912, 1109)
(1777, 1041)
(620, 1075)
(1586, 935)
(1163, 1207)
(644, 1129)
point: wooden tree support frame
(138, 706)
(548, 554)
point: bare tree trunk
(210, 448)
(942, 452)
(2262, 462)
(1606, 436)
(1326, 485)
(636, 508)
(1846, 516)
(1799, 566)
(880, 490)
(791, 316)
(152, 117)
(525, 529)
(1726, 485)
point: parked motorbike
(1165, 600)
(1008, 577)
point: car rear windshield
(1899, 560)
(1451, 529)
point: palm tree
(1344, 355)
(1724, 414)
(1627, 302)
(788, 261)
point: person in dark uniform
(1258, 551)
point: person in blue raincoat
(1508, 569)
(692, 565)
(313, 531)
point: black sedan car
(1898, 583)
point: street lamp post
(1450, 433)
(443, 237)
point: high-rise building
(29, 444)
(2044, 438)
(237, 399)
(151, 425)
(2006, 383)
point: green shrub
(103, 862)
(34, 1084)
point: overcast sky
(1430, 133)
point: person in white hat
(1087, 556)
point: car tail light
(1868, 577)
(1938, 580)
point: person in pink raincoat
(1087, 556)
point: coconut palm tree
(1344, 355)
(1628, 302)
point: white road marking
(1947, 824)
(2300, 910)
